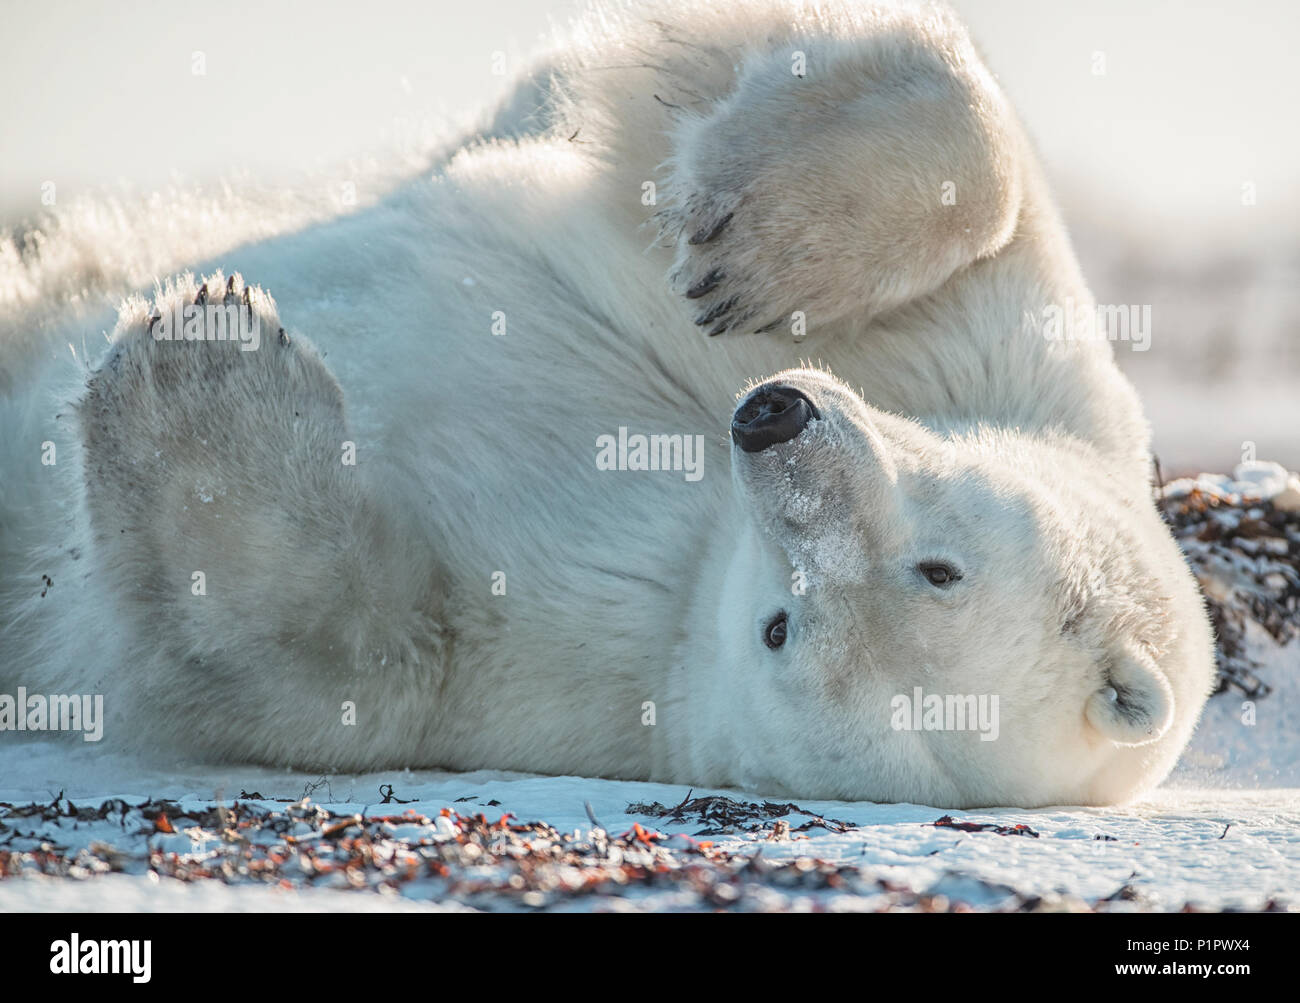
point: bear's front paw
(718, 267)
(843, 186)
(765, 206)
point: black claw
(715, 312)
(706, 284)
(202, 296)
(703, 236)
(248, 301)
(284, 338)
(230, 285)
(719, 327)
(770, 327)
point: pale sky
(1194, 101)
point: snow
(1233, 754)
(1229, 845)
(1252, 480)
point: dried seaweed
(1246, 555)
(724, 816)
(948, 822)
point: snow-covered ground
(1210, 847)
(85, 829)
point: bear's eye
(939, 573)
(774, 632)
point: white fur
(948, 431)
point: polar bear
(692, 423)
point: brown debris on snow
(724, 816)
(1245, 552)
(948, 822)
(480, 862)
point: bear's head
(974, 619)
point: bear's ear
(1136, 704)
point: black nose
(771, 414)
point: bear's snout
(771, 414)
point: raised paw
(204, 428)
(850, 189)
(714, 266)
(233, 523)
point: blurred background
(1168, 129)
